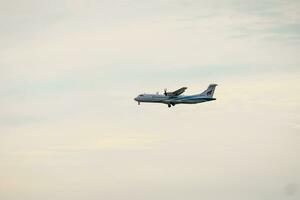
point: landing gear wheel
(169, 105)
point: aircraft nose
(135, 98)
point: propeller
(165, 92)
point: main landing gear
(169, 105)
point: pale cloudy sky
(69, 128)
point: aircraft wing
(177, 92)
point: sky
(70, 129)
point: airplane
(173, 98)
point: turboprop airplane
(173, 98)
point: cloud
(291, 189)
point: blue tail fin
(209, 91)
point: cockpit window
(141, 95)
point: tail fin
(209, 91)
